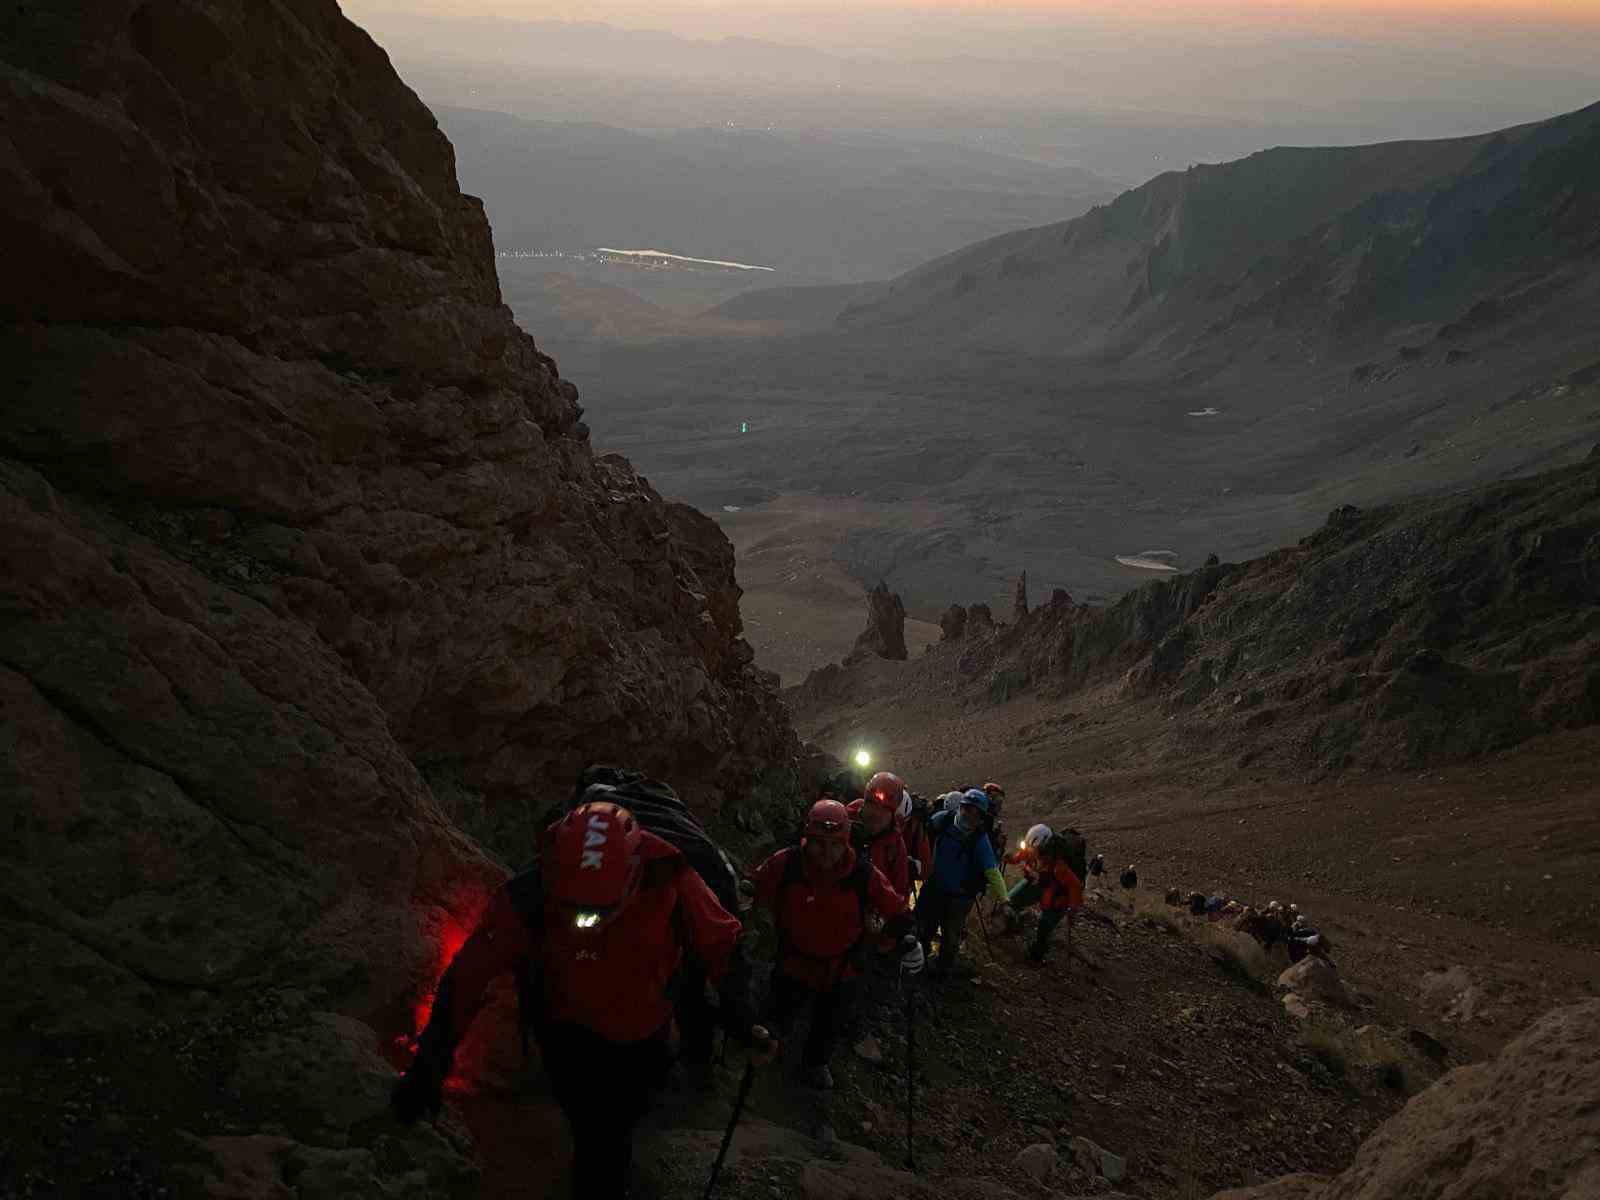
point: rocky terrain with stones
(315, 594)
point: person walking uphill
(964, 866)
(1049, 881)
(601, 928)
(874, 818)
(821, 894)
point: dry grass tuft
(1329, 1045)
(1238, 953)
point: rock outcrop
(885, 634)
(980, 621)
(953, 624)
(1019, 599)
(1525, 1126)
(303, 548)
(1425, 632)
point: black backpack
(659, 810)
(1069, 845)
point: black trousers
(605, 1089)
(697, 1018)
(829, 1010)
(941, 912)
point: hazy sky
(1416, 67)
(832, 22)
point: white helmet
(951, 801)
(1037, 836)
(904, 811)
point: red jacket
(887, 852)
(820, 919)
(1062, 887)
(614, 980)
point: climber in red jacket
(874, 829)
(822, 894)
(601, 932)
(1048, 881)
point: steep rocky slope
(1524, 1126)
(1411, 634)
(304, 556)
(1292, 241)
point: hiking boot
(818, 1077)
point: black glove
(416, 1095)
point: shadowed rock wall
(295, 523)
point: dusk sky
(1356, 69)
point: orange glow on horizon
(1136, 12)
(1321, 12)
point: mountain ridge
(1266, 240)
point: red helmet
(828, 820)
(884, 789)
(593, 860)
(994, 789)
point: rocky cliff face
(301, 535)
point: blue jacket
(960, 861)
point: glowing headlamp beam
(587, 920)
(863, 759)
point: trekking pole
(911, 1066)
(727, 1138)
(983, 924)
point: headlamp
(863, 758)
(587, 920)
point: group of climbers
(619, 933)
(1274, 925)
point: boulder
(885, 634)
(980, 621)
(1037, 1160)
(1317, 979)
(1523, 1126)
(1452, 993)
(1097, 1160)
(868, 1050)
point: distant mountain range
(1334, 243)
(1209, 363)
(820, 207)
